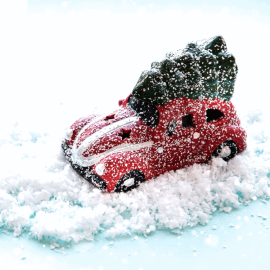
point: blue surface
(242, 246)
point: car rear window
(147, 112)
(212, 115)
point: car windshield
(147, 112)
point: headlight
(100, 168)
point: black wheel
(129, 181)
(227, 150)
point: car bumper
(85, 172)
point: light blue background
(247, 7)
(162, 250)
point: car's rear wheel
(227, 150)
(129, 181)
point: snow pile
(42, 195)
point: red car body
(117, 152)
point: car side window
(171, 128)
(187, 121)
(212, 115)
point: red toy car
(141, 140)
(119, 151)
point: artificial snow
(40, 193)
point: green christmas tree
(201, 70)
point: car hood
(106, 134)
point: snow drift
(41, 194)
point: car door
(179, 136)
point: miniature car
(148, 136)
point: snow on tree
(201, 70)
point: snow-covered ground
(42, 194)
(56, 68)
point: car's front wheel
(227, 150)
(129, 181)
